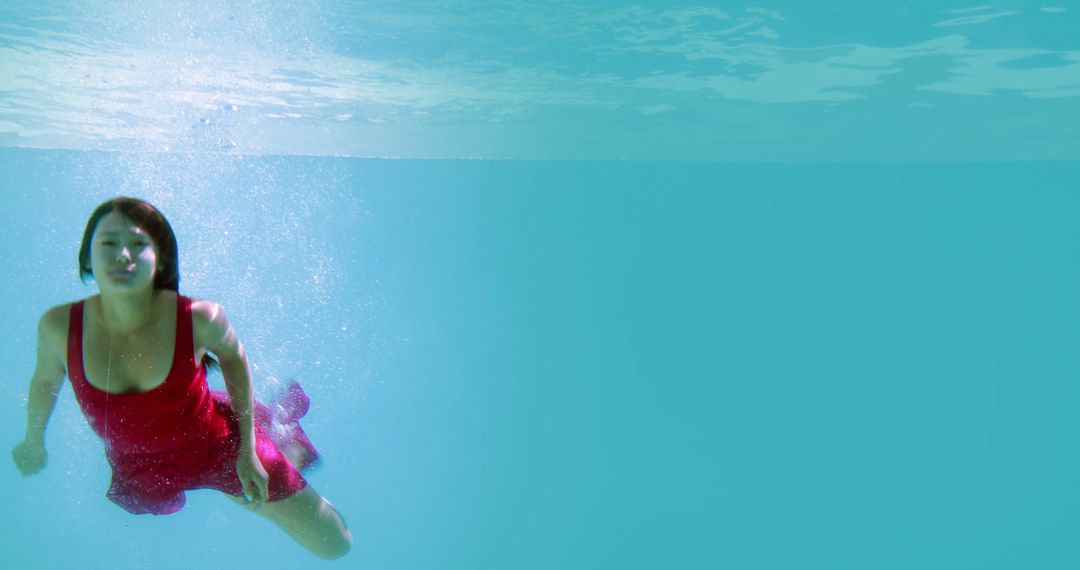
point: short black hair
(151, 220)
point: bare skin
(138, 324)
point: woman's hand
(30, 456)
(253, 477)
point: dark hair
(153, 222)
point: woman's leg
(310, 520)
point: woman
(131, 354)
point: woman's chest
(135, 362)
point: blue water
(603, 80)
(800, 323)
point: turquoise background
(587, 365)
(579, 285)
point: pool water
(584, 305)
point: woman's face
(123, 257)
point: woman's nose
(123, 255)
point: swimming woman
(136, 355)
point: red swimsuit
(181, 435)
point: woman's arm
(218, 336)
(30, 455)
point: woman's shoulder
(208, 319)
(55, 320)
(204, 309)
(59, 314)
(206, 314)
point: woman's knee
(310, 520)
(336, 545)
(314, 522)
(338, 538)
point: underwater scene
(568, 285)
